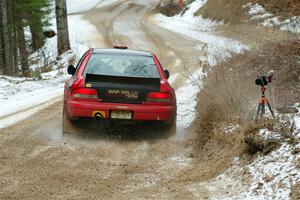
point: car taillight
(85, 94)
(74, 83)
(158, 98)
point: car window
(122, 65)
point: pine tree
(35, 14)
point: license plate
(120, 114)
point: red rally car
(119, 85)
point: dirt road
(37, 162)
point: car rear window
(122, 65)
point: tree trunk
(7, 56)
(63, 43)
(23, 52)
(15, 43)
(11, 17)
(1, 56)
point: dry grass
(231, 11)
(223, 10)
(285, 8)
(211, 119)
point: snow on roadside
(257, 12)
(17, 94)
(187, 100)
(268, 177)
(297, 121)
(274, 175)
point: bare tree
(63, 43)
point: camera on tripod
(264, 80)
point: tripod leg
(263, 109)
(258, 111)
(270, 108)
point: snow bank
(15, 97)
(257, 12)
(17, 94)
(268, 177)
(187, 100)
(274, 175)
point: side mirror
(167, 73)
(71, 70)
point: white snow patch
(180, 160)
(267, 134)
(257, 12)
(187, 100)
(231, 128)
(297, 122)
(256, 9)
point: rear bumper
(140, 112)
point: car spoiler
(152, 84)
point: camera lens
(261, 81)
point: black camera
(263, 80)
